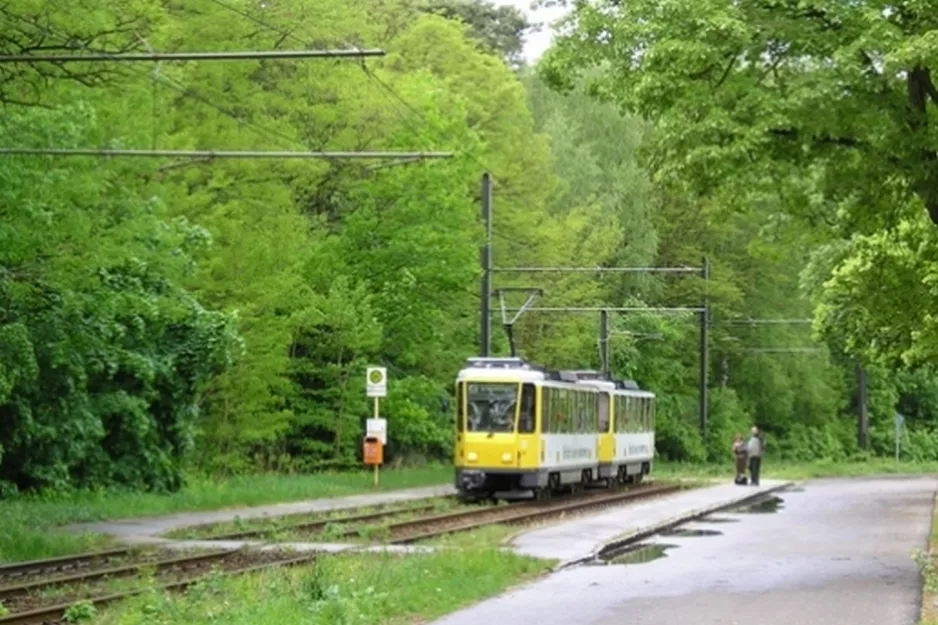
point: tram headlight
(472, 456)
(506, 457)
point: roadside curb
(668, 524)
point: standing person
(755, 447)
(740, 453)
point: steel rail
(17, 569)
(528, 511)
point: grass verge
(927, 561)
(354, 589)
(28, 522)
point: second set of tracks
(41, 592)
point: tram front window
(491, 407)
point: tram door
(528, 441)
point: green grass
(358, 589)
(796, 470)
(927, 561)
(27, 523)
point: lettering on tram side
(638, 449)
(575, 453)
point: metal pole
(704, 344)
(604, 340)
(899, 421)
(377, 415)
(191, 56)
(485, 335)
(897, 441)
(218, 153)
(863, 423)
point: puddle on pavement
(767, 505)
(683, 532)
(633, 554)
(717, 519)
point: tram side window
(526, 418)
(569, 424)
(589, 412)
(633, 414)
(651, 424)
(593, 403)
(545, 410)
(620, 413)
(587, 409)
(560, 411)
(582, 412)
(603, 414)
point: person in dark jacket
(755, 447)
(741, 455)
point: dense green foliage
(149, 308)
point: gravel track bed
(261, 526)
(86, 563)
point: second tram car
(521, 427)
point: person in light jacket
(739, 452)
(755, 448)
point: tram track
(39, 609)
(7, 593)
(321, 524)
(31, 569)
(408, 532)
(38, 598)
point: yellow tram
(521, 427)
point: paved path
(148, 530)
(581, 538)
(837, 553)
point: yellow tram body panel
(607, 439)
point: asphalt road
(838, 552)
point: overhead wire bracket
(531, 292)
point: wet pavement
(581, 537)
(834, 552)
